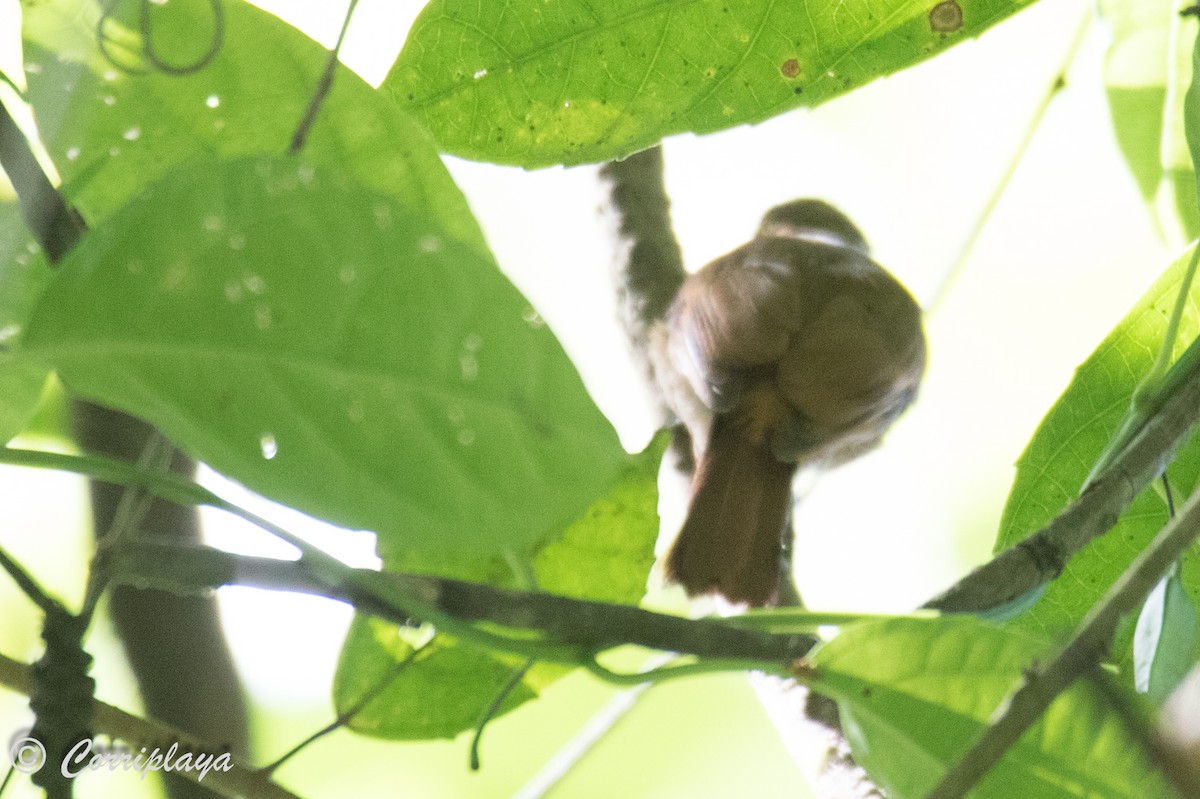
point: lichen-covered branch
(584, 624)
(649, 266)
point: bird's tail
(730, 543)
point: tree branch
(1088, 646)
(650, 271)
(589, 625)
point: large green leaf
(914, 694)
(21, 383)
(1051, 471)
(1146, 72)
(111, 132)
(333, 350)
(443, 691)
(23, 275)
(604, 555)
(536, 83)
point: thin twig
(347, 715)
(151, 55)
(28, 585)
(1087, 647)
(591, 733)
(1018, 155)
(323, 87)
(1166, 350)
(573, 627)
(492, 709)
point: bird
(793, 350)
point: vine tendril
(148, 51)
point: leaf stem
(1035, 122)
(577, 628)
(1144, 393)
(569, 631)
(492, 709)
(664, 673)
(344, 718)
(323, 87)
(324, 567)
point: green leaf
(574, 81)
(1164, 642)
(914, 695)
(21, 383)
(110, 132)
(23, 275)
(441, 693)
(1147, 69)
(1136, 72)
(605, 555)
(1191, 106)
(1051, 471)
(332, 350)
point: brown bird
(794, 349)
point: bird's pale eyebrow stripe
(815, 235)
